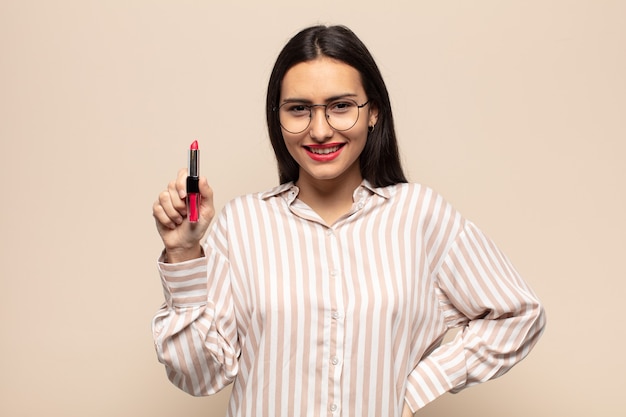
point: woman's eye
(340, 106)
(298, 109)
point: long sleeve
(502, 319)
(195, 333)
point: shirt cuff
(442, 371)
(184, 283)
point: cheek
(289, 139)
(292, 142)
(359, 134)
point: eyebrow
(329, 99)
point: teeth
(324, 151)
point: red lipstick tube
(193, 179)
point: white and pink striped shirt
(314, 320)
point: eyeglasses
(341, 114)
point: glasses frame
(311, 106)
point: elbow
(528, 324)
(540, 320)
(533, 324)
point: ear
(373, 115)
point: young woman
(331, 293)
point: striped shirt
(307, 319)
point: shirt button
(329, 232)
(333, 407)
(360, 206)
(335, 315)
(334, 360)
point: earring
(371, 128)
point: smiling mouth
(326, 150)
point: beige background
(514, 110)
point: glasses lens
(340, 115)
(294, 117)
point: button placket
(335, 350)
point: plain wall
(514, 110)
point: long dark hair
(380, 161)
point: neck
(331, 198)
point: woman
(331, 293)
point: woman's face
(322, 152)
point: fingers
(169, 209)
(162, 219)
(181, 183)
(207, 210)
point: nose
(319, 128)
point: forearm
(194, 337)
(196, 360)
(479, 289)
(484, 350)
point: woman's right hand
(180, 237)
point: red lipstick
(324, 153)
(193, 180)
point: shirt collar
(291, 190)
(380, 191)
(282, 188)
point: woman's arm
(502, 319)
(195, 333)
